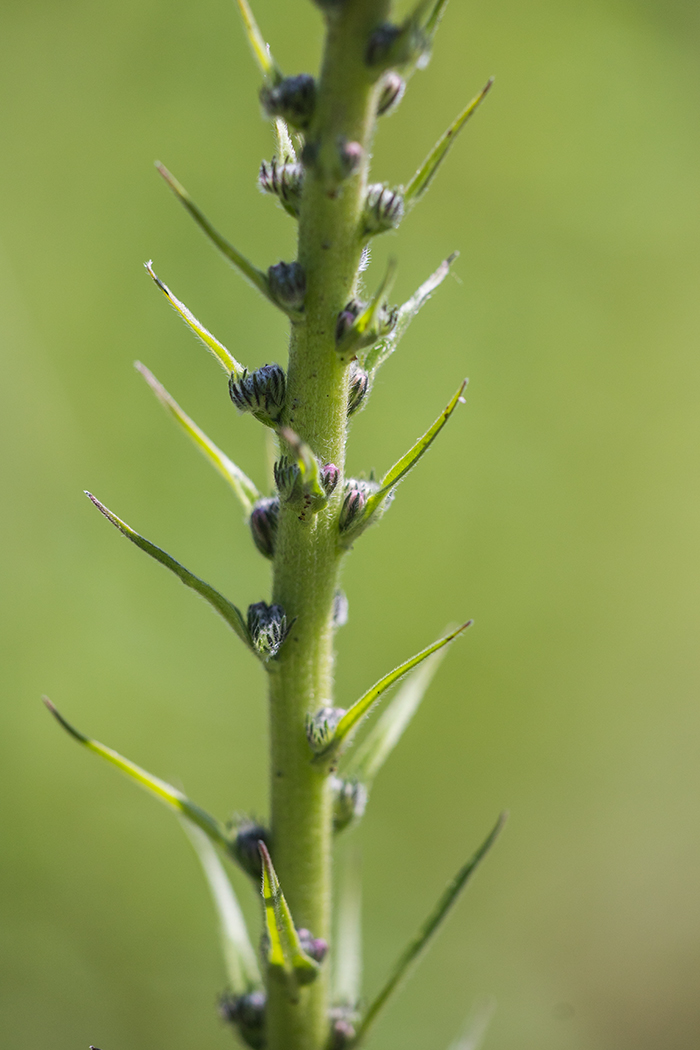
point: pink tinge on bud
(329, 477)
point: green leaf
(476, 1026)
(354, 715)
(285, 954)
(223, 606)
(172, 798)
(378, 353)
(239, 956)
(347, 948)
(243, 487)
(434, 19)
(261, 50)
(425, 174)
(370, 756)
(227, 361)
(427, 930)
(256, 277)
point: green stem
(307, 555)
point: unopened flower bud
(349, 802)
(342, 1027)
(245, 846)
(321, 727)
(247, 1013)
(288, 284)
(356, 493)
(260, 392)
(268, 628)
(315, 947)
(359, 385)
(287, 480)
(286, 181)
(293, 99)
(329, 477)
(346, 318)
(380, 44)
(393, 87)
(263, 525)
(350, 156)
(384, 209)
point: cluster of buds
(321, 727)
(384, 209)
(268, 628)
(315, 947)
(293, 99)
(285, 181)
(247, 1014)
(260, 392)
(244, 846)
(263, 525)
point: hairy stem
(307, 555)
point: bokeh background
(560, 509)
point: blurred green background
(560, 509)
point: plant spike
(425, 174)
(233, 616)
(285, 955)
(261, 51)
(227, 361)
(256, 277)
(239, 956)
(366, 761)
(172, 798)
(427, 930)
(242, 486)
(354, 715)
(378, 353)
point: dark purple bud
(384, 209)
(286, 181)
(260, 392)
(245, 846)
(329, 477)
(393, 87)
(263, 525)
(380, 44)
(346, 318)
(359, 385)
(288, 284)
(293, 99)
(247, 1014)
(268, 628)
(315, 947)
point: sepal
(285, 955)
(261, 393)
(268, 629)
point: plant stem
(307, 555)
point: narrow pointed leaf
(347, 948)
(243, 487)
(167, 794)
(227, 361)
(401, 468)
(476, 1027)
(433, 22)
(223, 606)
(427, 930)
(239, 956)
(370, 756)
(256, 277)
(378, 353)
(261, 50)
(425, 174)
(354, 715)
(285, 952)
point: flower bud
(321, 727)
(356, 493)
(247, 1013)
(245, 846)
(359, 385)
(260, 392)
(268, 628)
(329, 477)
(263, 525)
(393, 87)
(342, 1027)
(287, 480)
(349, 802)
(350, 156)
(347, 317)
(380, 43)
(293, 99)
(384, 209)
(287, 283)
(315, 947)
(286, 181)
